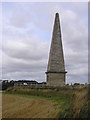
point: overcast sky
(26, 38)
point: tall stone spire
(56, 68)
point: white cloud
(26, 40)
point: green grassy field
(63, 102)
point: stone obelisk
(56, 67)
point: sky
(26, 37)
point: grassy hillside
(65, 102)
(24, 107)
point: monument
(56, 68)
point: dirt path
(14, 106)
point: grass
(66, 102)
(27, 107)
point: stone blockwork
(55, 79)
(56, 68)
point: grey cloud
(16, 69)
(27, 49)
(26, 54)
(25, 75)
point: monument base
(56, 79)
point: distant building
(25, 83)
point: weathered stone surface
(56, 68)
(55, 79)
